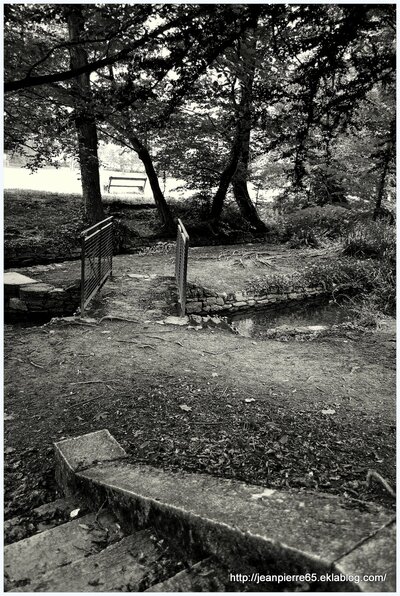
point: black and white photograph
(199, 331)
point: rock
(220, 301)
(16, 304)
(209, 293)
(238, 304)
(211, 301)
(217, 308)
(194, 307)
(176, 321)
(138, 276)
(195, 320)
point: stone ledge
(245, 525)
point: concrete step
(205, 576)
(250, 529)
(40, 519)
(130, 565)
(29, 559)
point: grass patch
(372, 282)
(371, 239)
(314, 226)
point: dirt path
(312, 415)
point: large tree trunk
(225, 180)
(159, 199)
(84, 120)
(237, 169)
(127, 134)
(239, 181)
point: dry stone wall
(204, 301)
(40, 299)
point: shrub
(371, 239)
(310, 226)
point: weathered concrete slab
(88, 450)
(246, 526)
(307, 525)
(13, 281)
(57, 547)
(121, 567)
(205, 576)
(375, 557)
(41, 518)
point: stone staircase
(132, 528)
(91, 553)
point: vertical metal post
(184, 276)
(83, 259)
(100, 254)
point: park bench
(137, 182)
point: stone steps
(182, 532)
(91, 554)
(39, 519)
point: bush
(310, 226)
(372, 239)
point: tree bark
(85, 121)
(387, 158)
(159, 199)
(225, 180)
(237, 169)
(239, 182)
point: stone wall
(200, 300)
(40, 300)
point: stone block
(180, 321)
(35, 292)
(217, 308)
(88, 450)
(209, 293)
(376, 554)
(237, 304)
(194, 307)
(195, 320)
(16, 305)
(211, 301)
(220, 301)
(13, 282)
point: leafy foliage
(372, 239)
(313, 225)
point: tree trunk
(225, 180)
(387, 157)
(85, 122)
(246, 205)
(159, 199)
(237, 169)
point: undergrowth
(370, 283)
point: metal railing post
(83, 258)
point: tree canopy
(301, 95)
